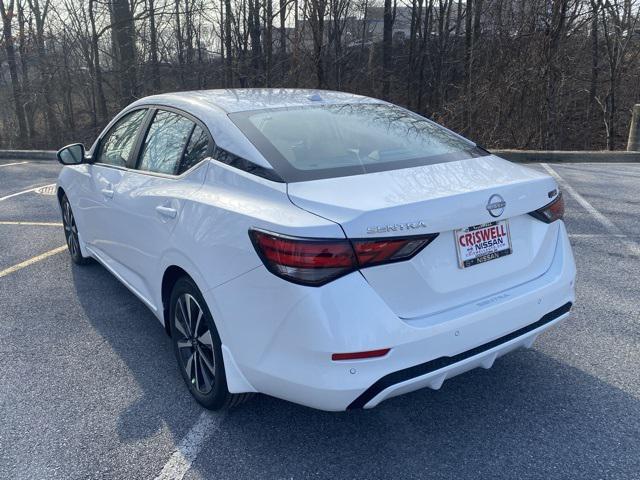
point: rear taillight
(302, 260)
(551, 212)
(377, 252)
(314, 262)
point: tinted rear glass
(324, 141)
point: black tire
(71, 232)
(197, 347)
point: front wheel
(71, 232)
(198, 348)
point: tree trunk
(28, 104)
(471, 94)
(316, 19)
(67, 88)
(417, 44)
(424, 49)
(268, 41)
(7, 15)
(123, 32)
(611, 133)
(339, 9)
(40, 17)
(554, 37)
(179, 44)
(387, 49)
(283, 38)
(364, 25)
(188, 28)
(595, 70)
(254, 33)
(227, 39)
(413, 28)
(438, 91)
(468, 59)
(222, 49)
(101, 102)
(153, 46)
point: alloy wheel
(70, 229)
(195, 344)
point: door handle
(107, 192)
(167, 211)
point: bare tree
(509, 73)
(619, 24)
(125, 55)
(153, 45)
(316, 15)
(7, 12)
(101, 102)
(24, 25)
(40, 13)
(387, 48)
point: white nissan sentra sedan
(325, 248)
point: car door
(114, 152)
(149, 198)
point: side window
(165, 143)
(196, 150)
(117, 144)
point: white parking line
(35, 224)
(188, 449)
(611, 227)
(14, 163)
(596, 235)
(25, 191)
(31, 261)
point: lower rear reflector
(360, 355)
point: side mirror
(71, 154)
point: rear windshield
(324, 141)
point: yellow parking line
(31, 261)
(37, 224)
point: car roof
(243, 99)
(213, 106)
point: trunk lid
(439, 198)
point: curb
(28, 155)
(557, 156)
(520, 156)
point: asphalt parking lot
(89, 386)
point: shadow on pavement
(137, 337)
(530, 416)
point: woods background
(533, 74)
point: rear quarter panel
(212, 242)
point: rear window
(324, 141)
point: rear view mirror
(71, 154)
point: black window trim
(99, 144)
(214, 151)
(142, 135)
(235, 161)
(135, 166)
(186, 145)
(134, 156)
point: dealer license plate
(482, 243)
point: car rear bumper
(433, 373)
(282, 335)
